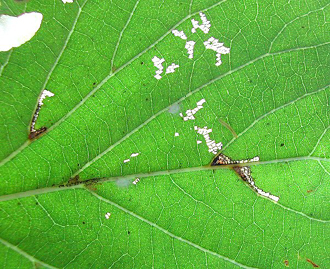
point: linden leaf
(112, 113)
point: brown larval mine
(312, 263)
(37, 133)
(286, 263)
(33, 132)
(244, 172)
(74, 181)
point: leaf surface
(272, 89)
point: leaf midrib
(61, 187)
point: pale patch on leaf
(15, 31)
(33, 132)
(136, 181)
(180, 34)
(159, 64)
(171, 68)
(205, 26)
(214, 44)
(190, 48)
(191, 112)
(174, 109)
(211, 144)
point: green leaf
(66, 196)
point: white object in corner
(15, 31)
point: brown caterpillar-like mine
(244, 172)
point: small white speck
(199, 142)
(135, 154)
(107, 215)
(136, 181)
(176, 134)
(126, 161)
(67, 1)
(201, 102)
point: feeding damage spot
(244, 172)
(205, 26)
(33, 132)
(212, 43)
(171, 68)
(190, 48)
(158, 62)
(133, 155)
(67, 1)
(286, 263)
(15, 31)
(191, 112)
(107, 215)
(180, 34)
(212, 145)
(136, 181)
(312, 263)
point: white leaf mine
(158, 63)
(44, 94)
(214, 44)
(205, 26)
(191, 112)
(180, 34)
(67, 1)
(171, 68)
(15, 31)
(190, 48)
(211, 144)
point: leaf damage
(33, 132)
(312, 263)
(244, 172)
